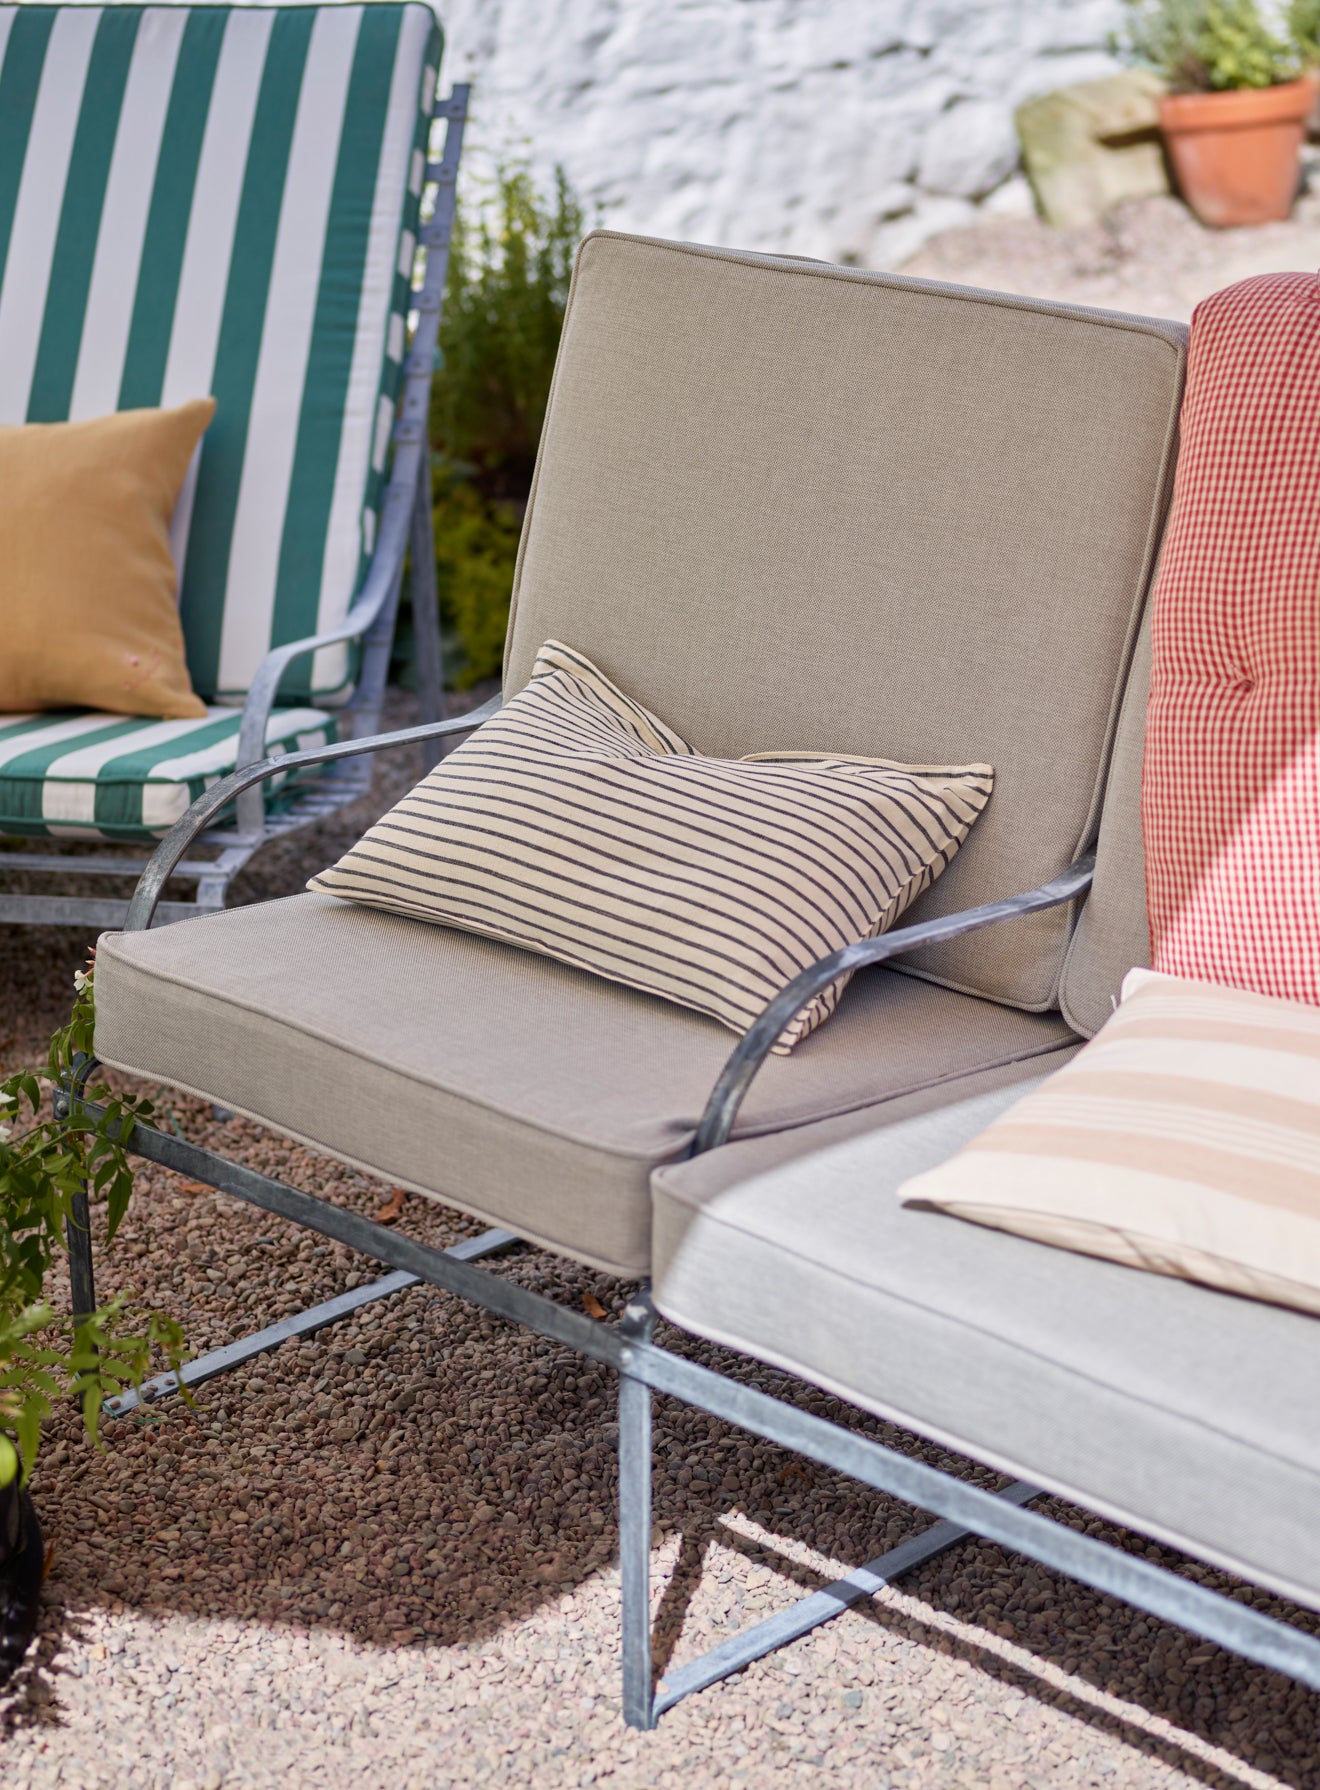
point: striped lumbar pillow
(1185, 1138)
(575, 823)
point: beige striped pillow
(576, 824)
(1184, 1138)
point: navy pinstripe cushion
(223, 200)
(575, 823)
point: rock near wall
(847, 129)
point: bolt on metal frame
(404, 523)
(644, 1367)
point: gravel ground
(386, 1555)
(1149, 256)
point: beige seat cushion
(575, 823)
(1187, 1413)
(88, 586)
(797, 507)
(515, 1088)
(1184, 1139)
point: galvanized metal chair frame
(405, 526)
(962, 1509)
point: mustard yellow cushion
(88, 586)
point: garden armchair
(788, 507)
(215, 200)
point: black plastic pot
(22, 1564)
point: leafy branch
(44, 1165)
(1214, 46)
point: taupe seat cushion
(521, 1090)
(1188, 1413)
(797, 507)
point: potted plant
(1234, 117)
(1303, 19)
(47, 1167)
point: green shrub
(1207, 46)
(476, 545)
(1303, 20)
(509, 272)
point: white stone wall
(847, 129)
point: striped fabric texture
(577, 824)
(1231, 791)
(214, 200)
(81, 775)
(1184, 1138)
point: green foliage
(1207, 46)
(509, 271)
(1303, 21)
(476, 545)
(41, 1170)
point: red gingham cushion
(1231, 788)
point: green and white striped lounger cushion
(80, 774)
(224, 200)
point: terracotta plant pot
(1235, 155)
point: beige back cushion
(1113, 935)
(795, 507)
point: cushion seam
(364, 1167)
(1008, 301)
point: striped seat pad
(1184, 1139)
(81, 774)
(577, 824)
(223, 201)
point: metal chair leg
(78, 1225)
(635, 1524)
(426, 617)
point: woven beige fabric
(577, 824)
(795, 506)
(1185, 1138)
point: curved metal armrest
(756, 1043)
(266, 680)
(207, 806)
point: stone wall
(847, 129)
